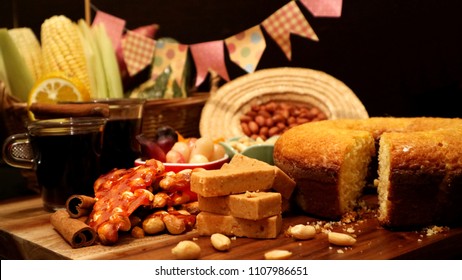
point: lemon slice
(58, 87)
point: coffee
(120, 148)
(66, 165)
(65, 154)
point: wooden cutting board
(25, 233)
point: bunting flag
(209, 55)
(170, 54)
(324, 8)
(286, 20)
(138, 51)
(246, 48)
(114, 26)
(139, 48)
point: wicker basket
(221, 114)
(182, 114)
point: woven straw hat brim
(221, 114)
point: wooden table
(25, 233)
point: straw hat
(221, 114)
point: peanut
(153, 225)
(220, 242)
(278, 255)
(260, 120)
(284, 115)
(253, 126)
(245, 128)
(186, 250)
(137, 232)
(302, 232)
(174, 224)
(341, 239)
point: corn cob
(29, 48)
(13, 69)
(63, 50)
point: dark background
(401, 58)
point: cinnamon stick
(75, 232)
(48, 111)
(79, 205)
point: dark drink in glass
(66, 165)
(64, 153)
(120, 148)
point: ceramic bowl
(261, 151)
(177, 167)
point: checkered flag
(286, 20)
(138, 51)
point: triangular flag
(170, 54)
(286, 20)
(324, 8)
(114, 26)
(246, 48)
(138, 51)
(209, 55)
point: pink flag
(209, 55)
(286, 20)
(324, 8)
(138, 51)
(114, 26)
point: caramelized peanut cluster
(143, 200)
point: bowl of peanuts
(254, 148)
(267, 102)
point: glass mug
(65, 154)
(120, 147)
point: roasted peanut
(220, 242)
(191, 207)
(278, 255)
(264, 130)
(278, 118)
(273, 131)
(160, 200)
(137, 232)
(186, 250)
(245, 128)
(174, 224)
(264, 113)
(284, 115)
(301, 120)
(269, 122)
(245, 118)
(153, 225)
(253, 126)
(341, 239)
(302, 232)
(260, 120)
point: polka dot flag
(246, 48)
(169, 54)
